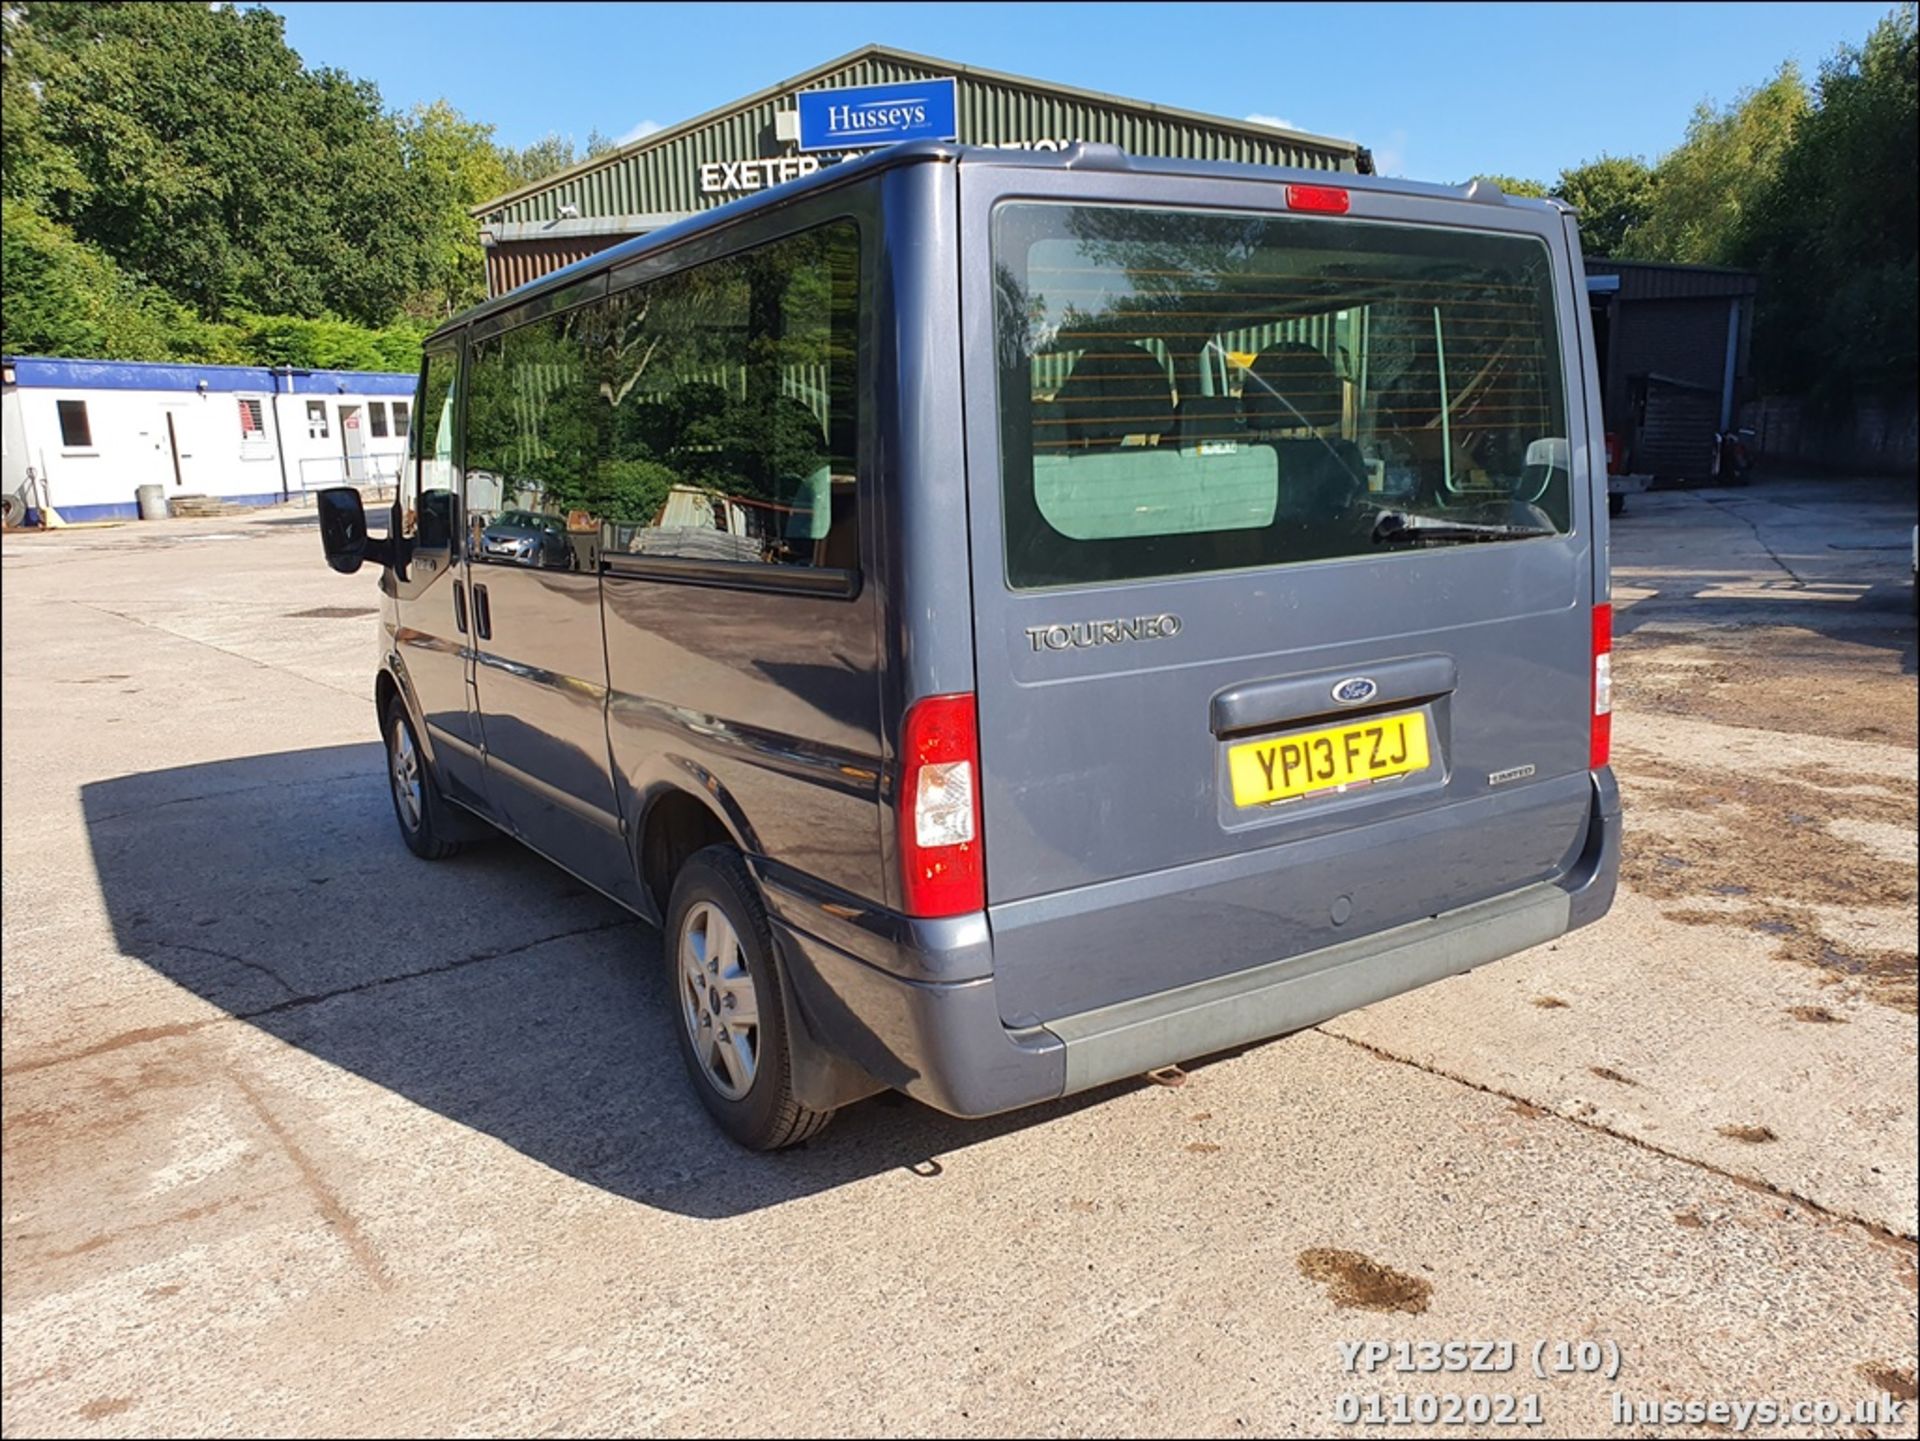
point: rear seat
(1209, 417)
(1291, 399)
(1115, 393)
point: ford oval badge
(1355, 689)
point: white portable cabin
(84, 435)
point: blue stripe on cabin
(43, 373)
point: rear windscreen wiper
(1399, 527)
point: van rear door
(1283, 545)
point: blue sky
(1439, 92)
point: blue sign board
(871, 115)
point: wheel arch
(677, 816)
(390, 682)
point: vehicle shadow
(492, 988)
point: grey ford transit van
(1020, 620)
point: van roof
(1082, 155)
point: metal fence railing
(374, 474)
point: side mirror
(343, 527)
(343, 531)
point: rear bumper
(912, 1003)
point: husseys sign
(833, 125)
(871, 115)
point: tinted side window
(537, 428)
(709, 415)
(733, 405)
(429, 482)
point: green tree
(30, 165)
(1515, 185)
(1834, 232)
(327, 344)
(1614, 196)
(536, 161)
(454, 166)
(1705, 189)
(191, 146)
(64, 298)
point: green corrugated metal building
(750, 144)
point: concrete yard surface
(304, 1135)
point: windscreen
(1187, 391)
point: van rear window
(1186, 391)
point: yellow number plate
(1296, 765)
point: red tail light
(1601, 747)
(1320, 199)
(941, 867)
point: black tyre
(729, 1004)
(416, 800)
(1616, 503)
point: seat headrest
(1289, 386)
(1210, 417)
(1115, 392)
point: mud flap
(822, 1080)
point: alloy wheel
(719, 1003)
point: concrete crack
(194, 640)
(478, 958)
(1899, 1240)
(1754, 526)
(142, 810)
(260, 966)
(158, 1033)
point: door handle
(482, 614)
(460, 607)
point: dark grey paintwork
(1117, 865)
(427, 651)
(1134, 916)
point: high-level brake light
(1318, 199)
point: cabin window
(76, 431)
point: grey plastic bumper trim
(1136, 1036)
